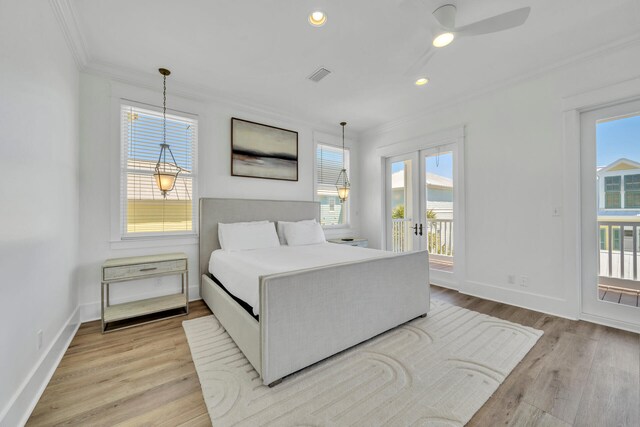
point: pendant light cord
(342, 146)
(164, 109)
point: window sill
(154, 242)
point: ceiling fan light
(422, 81)
(443, 39)
(317, 18)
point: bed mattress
(240, 271)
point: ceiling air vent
(319, 74)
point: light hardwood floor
(578, 374)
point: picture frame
(263, 151)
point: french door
(421, 207)
(610, 217)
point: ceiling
(262, 51)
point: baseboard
(618, 324)
(449, 284)
(91, 311)
(19, 408)
(527, 300)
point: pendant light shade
(166, 172)
(342, 184)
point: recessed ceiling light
(422, 81)
(443, 39)
(317, 18)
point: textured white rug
(436, 371)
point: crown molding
(572, 60)
(203, 94)
(68, 20)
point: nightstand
(351, 241)
(116, 316)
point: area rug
(434, 371)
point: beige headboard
(213, 211)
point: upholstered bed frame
(309, 315)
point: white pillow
(280, 228)
(241, 236)
(304, 233)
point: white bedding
(240, 272)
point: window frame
(631, 192)
(618, 191)
(119, 237)
(318, 187)
(331, 141)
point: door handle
(421, 229)
(415, 229)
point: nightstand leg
(108, 303)
(185, 285)
(102, 305)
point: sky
(618, 138)
(439, 165)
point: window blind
(329, 164)
(144, 210)
(328, 167)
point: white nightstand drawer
(140, 270)
(127, 314)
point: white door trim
(573, 106)
(452, 136)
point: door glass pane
(401, 206)
(439, 210)
(618, 209)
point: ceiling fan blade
(420, 64)
(496, 23)
(445, 16)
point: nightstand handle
(149, 269)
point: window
(612, 187)
(615, 234)
(631, 191)
(603, 238)
(145, 212)
(328, 167)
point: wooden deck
(441, 264)
(619, 295)
(578, 374)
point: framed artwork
(262, 151)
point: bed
(305, 303)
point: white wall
(99, 157)
(514, 171)
(39, 208)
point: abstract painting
(262, 151)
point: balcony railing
(618, 259)
(438, 232)
(440, 236)
(402, 239)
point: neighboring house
(439, 193)
(618, 200)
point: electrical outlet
(511, 279)
(39, 339)
(524, 281)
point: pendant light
(343, 184)
(166, 172)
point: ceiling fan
(447, 32)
